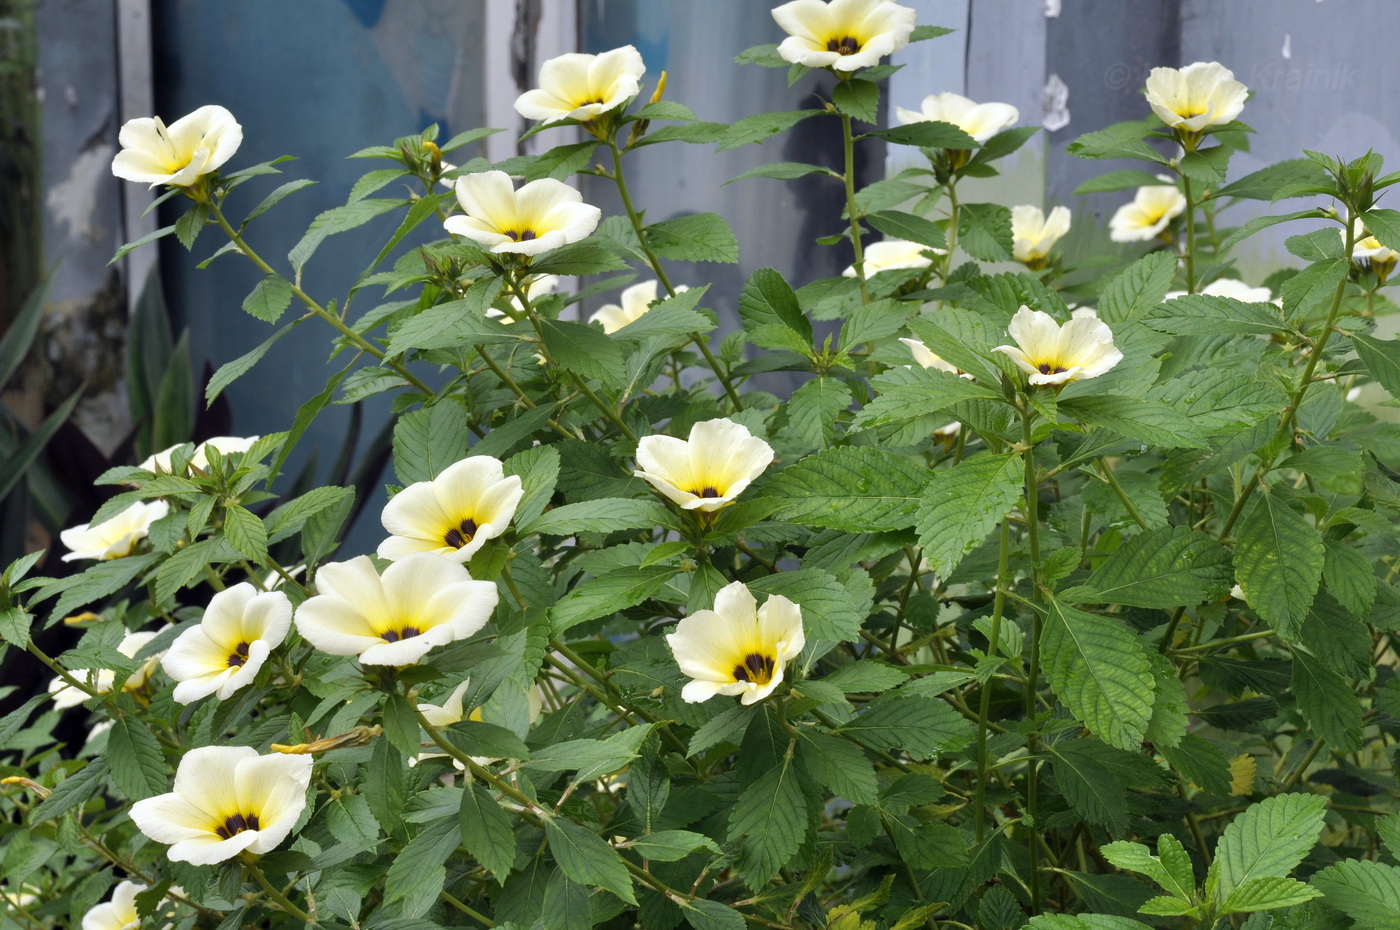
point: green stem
(1170, 633)
(848, 148)
(350, 335)
(985, 702)
(1228, 641)
(1190, 237)
(465, 909)
(1123, 498)
(1293, 779)
(635, 218)
(1033, 672)
(250, 863)
(954, 209)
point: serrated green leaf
(858, 98)
(1150, 422)
(1382, 359)
(924, 727)
(416, 872)
(428, 440)
(1268, 840)
(604, 515)
(907, 226)
(609, 593)
(584, 350)
(1119, 181)
(1265, 894)
(837, 765)
(699, 237)
(856, 489)
(782, 171)
(759, 127)
(1367, 892)
(71, 792)
(1168, 567)
(1135, 857)
(337, 220)
(767, 299)
(965, 503)
(830, 610)
(1278, 563)
(1100, 672)
(487, 832)
(270, 299)
(927, 134)
(1203, 315)
(138, 766)
(984, 231)
(813, 410)
(587, 858)
(1121, 140)
(1314, 284)
(1327, 702)
(452, 325)
(912, 393)
(246, 533)
(1090, 786)
(1135, 290)
(770, 821)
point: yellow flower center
(238, 656)
(843, 45)
(756, 668)
(461, 534)
(235, 824)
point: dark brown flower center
(525, 235)
(461, 534)
(236, 824)
(846, 45)
(238, 656)
(393, 636)
(1047, 369)
(756, 667)
(704, 492)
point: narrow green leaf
(858, 489)
(487, 832)
(138, 766)
(761, 126)
(1135, 290)
(609, 593)
(964, 504)
(1268, 840)
(1265, 894)
(900, 225)
(700, 237)
(587, 858)
(230, 372)
(782, 171)
(604, 515)
(1168, 567)
(337, 220)
(1327, 702)
(71, 792)
(1278, 563)
(930, 134)
(1100, 671)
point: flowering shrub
(1015, 613)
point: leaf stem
(985, 700)
(250, 862)
(848, 149)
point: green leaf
(70, 793)
(1266, 182)
(1135, 290)
(16, 466)
(912, 393)
(337, 220)
(1384, 225)
(837, 765)
(761, 126)
(1084, 922)
(670, 317)
(428, 440)
(1147, 421)
(1100, 672)
(230, 372)
(566, 905)
(1313, 285)
(771, 821)
(586, 858)
(1207, 166)
(1264, 222)
(604, 515)
(965, 503)
(1268, 840)
(401, 725)
(858, 489)
(703, 914)
(1171, 869)
(607, 594)
(900, 225)
(671, 845)
(922, 726)
(1201, 762)
(452, 325)
(700, 237)
(246, 533)
(1278, 563)
(1368, 892)
(577, 258)
(486, 739)
(1382, 359)
(767, 299)
(927, 134)
(1168, 567)
(138, 767)
(984, 231)
(1089, 785)
(1202, 315)
(99, 581)
(416, 873)
(1327, 702)
(783, 171)
(813, 410)
(857, 98)
(1120, 181)
(487, 832)
(291, 516)
(830, 610)
(584, 350)
(872, 321)
(14, 626)
(1264, 894)
(191, 224)
(1121, 140)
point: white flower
(926, 359)
(162, 462)
(636, 301)
(577, 86)
(1196, 96)
(537, 287)
(178, 154)
(844, 34)
(118, 913)
(708, 470)
(454, 514)
(226, 799)
(421, 601)
(1034, 235)
(735, 648)
(449, 711)
(1367, 248)
(116, 537)
(979, 120)
(1229, 287)
(239, 630)
(65, 695)
(542, 215)
(890, 254)
(1151, 209)
(27, 896)
(1054, 354)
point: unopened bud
(351, 739)
(660, 88)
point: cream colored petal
(1022, 360)
(1035, 331)
(1086, 342)
(780, 622)
(223, 618)
(404, 652)
(665, 459)
(616, 75)
(422, 512)
(698, 690)
(354, 582)
(267, 618)
(804, 19)
(488, 196)
(273, 787)
(611, 316)
(483, 233)
(334, 627)
(394, 548)
(170, 818)
(987, 119)
(449, 711)
(410, 585)
(209, 849)
(195, 656)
